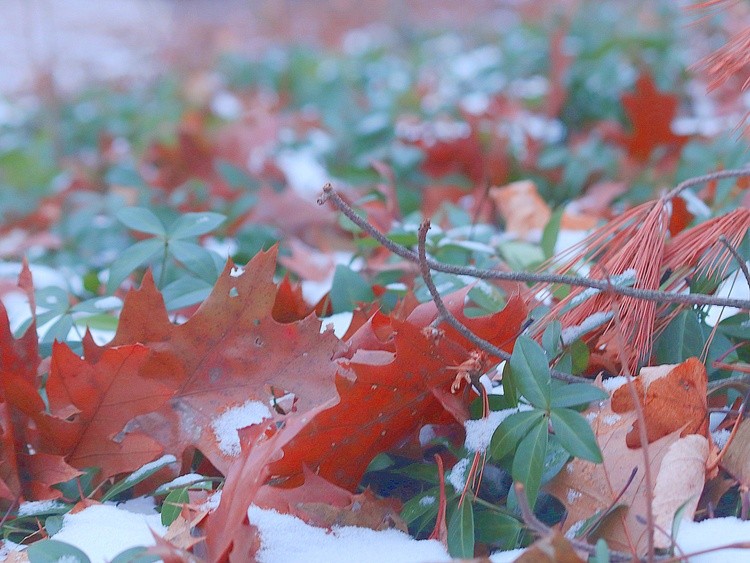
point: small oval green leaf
(531, 371)
(577, 394)
(528, 463)
(194, 224)
(133, 257)
(575, 434)
(511, 431)
(53, 551)
(142, 220)
(461, 530)
(172, 506)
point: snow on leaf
(225, 426)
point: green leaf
(511, 431)
(682, 338)
(133, 257)
(194, 224)
(172, 506)
(528, 463)
(349, 289)
(53, 551)
(59, 329)
(497, 528)
(54, 299)
(551, 231)
(53, 524)
(142, 220)
(420, 505)
(137, 554)
(97, 305)
(195, 258)
(138, 475)
(461, 530)
(530, 370)
(575, 434)
(554, 460)
(185, 291)
(601, 555)
(574, 394)
(551, 338)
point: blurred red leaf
(651, 113)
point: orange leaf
(585, 488)
(675, 398)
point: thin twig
(329, 194)
(643, 437)
(448, 317)
(740, 260)
(697, 180)
(541, 529)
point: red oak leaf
(19, 401)
(92, 404)
(228, 363)
(385, 395)
(651, 113)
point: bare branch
(448, 317)
(697, 180)
(329, 194)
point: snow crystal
(428, 500)
(612, 383)
(573, 333)
(458, 475)
(573, 530)
(426, 434)
(720, 437)
(304, 173)
(181, 481)
(137, 505)
(572, 496)
(226, 105)
(286, 538)
(162, 461)
(115, 531)
(611, 419)
(212, 502)
(39, 507)
(479, 432)
(225, 426)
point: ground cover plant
(479, 289)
